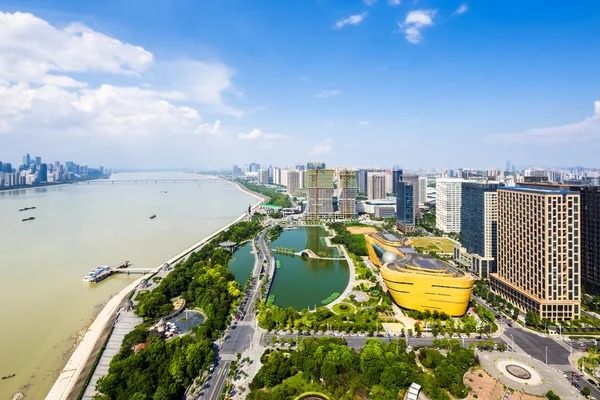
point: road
(358, 342)
(239, 336)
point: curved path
(351, 271)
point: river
(43, 302)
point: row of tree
(164, 369)
(379, 371)
(275, 197)
(354, 243)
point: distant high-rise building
(507, 165)
(38, 161)
(405, 207)
(447, 204)
(478, 228)
(361, 180)
(7, 167)
(422, 191)
(253, 167)
(43, 173)
(27, 160)
(538, 251)
(319, 191)
(277, 176)
(315, 165)
(396, 177)
(347, 190)
(263, 177)
(414, 180)
(376, 185)
(237, 171)
(293, 181)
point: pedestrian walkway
(125, 323)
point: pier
(120, 269)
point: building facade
(347, 191)
(405, 207)
(590, 238)
(361, 180)
(376, 185)
(396, 177)
(422, 200)
(293, 181)
(319, 193)
(263, 177)
(448, 203)
(478, 228)
(538, 266)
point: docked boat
(27, 219)
(8, 376)
(93, 275)
(153, 216)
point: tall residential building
(422, 198)
(27, 160)
(293, 181)
(405, 207)
(376, 185)
(319, 193)
(478, 228)
(396, 177)
(263, 177)
(38, 161)
(447, 204)
(590, 238)
(347, 190)
(277, 176)
(538, 251)
(361, 180)
(590, 232)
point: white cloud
(394, 2)
(585, 130)
(414, 22)
(369, 2)
(364, 123)
(256, 134)
(34, 51)
(463, 8)
(351, 20)
(108, 111)
(43, 84)
(210, 129)
(322, 148)
(323, 94)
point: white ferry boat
(93, 274)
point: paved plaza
(530, 375)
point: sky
(357, 83)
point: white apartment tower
(263, 177)
(447, 205)
(376, 185)
(422, 190)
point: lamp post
(546, 355)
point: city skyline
(438, 84)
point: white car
(541, 334)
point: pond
(304, 282)
(242, 263)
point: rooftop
(422, 263)
(536, 190)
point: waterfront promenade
(73, 375)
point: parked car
(593, 382)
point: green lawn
(437, 244)
(338, 309)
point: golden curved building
(417, 281)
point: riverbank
(72, 376)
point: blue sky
(439, 84)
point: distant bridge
(143, 181)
